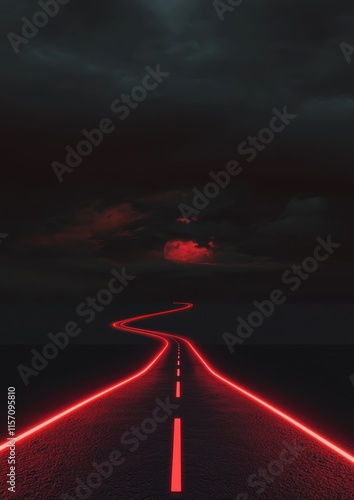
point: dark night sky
(120, 206)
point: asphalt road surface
(176, 429)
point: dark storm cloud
(225, 79)
(263, 55)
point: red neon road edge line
(176, 475)
(86, 401)
(280, 413)
(122, 326)
(237, 387)
(109, 389)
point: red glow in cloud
(188, 252)
(91, 224)
(194, 218)
(108, 220)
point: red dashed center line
(176, 476)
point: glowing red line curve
(99, 394)
(333, 447)
(122, 325)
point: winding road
(177, 428)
